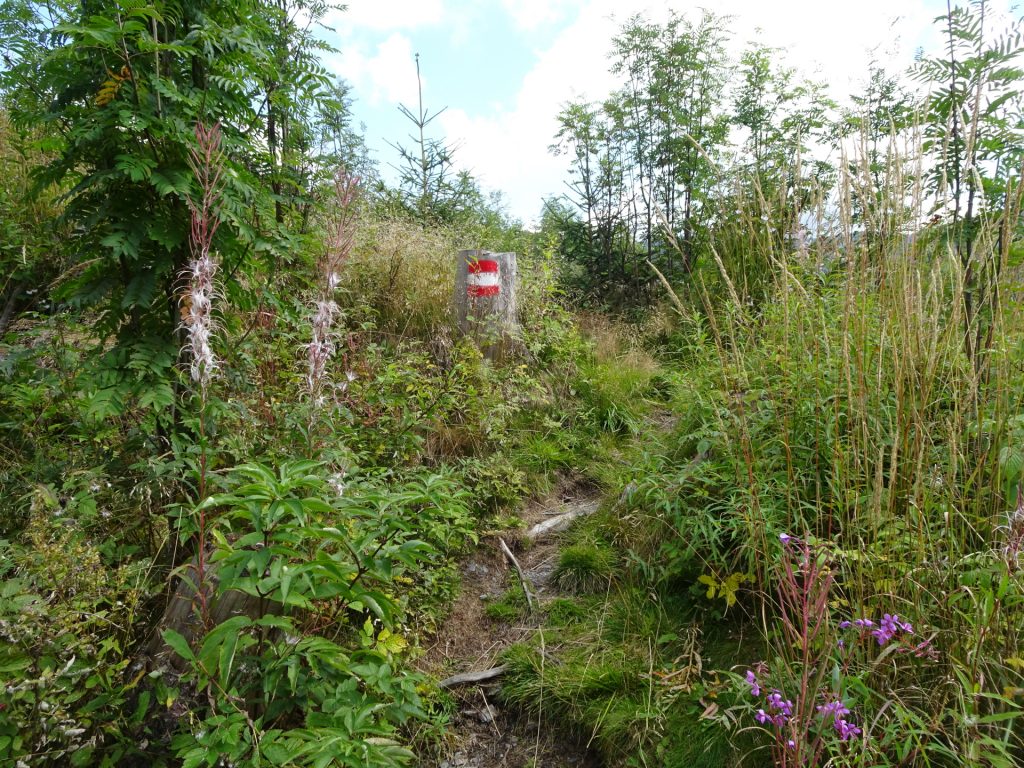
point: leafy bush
(68, 628)
(318, 566)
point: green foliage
(74, 696)
(831, 366)
(615, 392)
(971, 130)
(628, 674)
(509, 607)
(585, 566)
(321, 567)
(31, 254)
(122, 88)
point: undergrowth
(850, 409)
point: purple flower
(846, 729)
(833, 708)
(845, 624)
(889, 627)
(755, 689)
(791, 744)
(785, 538)
(762, 716)
(862, 623)
(777, 703)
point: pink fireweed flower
(340, 240)
(198, 320)
(321, 348)
(846, 729)
(207, 163)
(925, 650)
(777, 703)
(755, 689)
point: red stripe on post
(482, 278)
(483, 265)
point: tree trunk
(10, 305)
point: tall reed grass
(859, 399)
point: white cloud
(534, 14)
(509, 150)
(386, 15)
(388, 74)
(504, 141)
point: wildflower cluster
(834, 708)
(886, 630)
(779, 710)
(816, 720)
(207, 163)
(889, 629)
(340, 238)
(777, 713)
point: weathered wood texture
(469, 678)
(490, 319)
(182, 615)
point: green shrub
(585, 566)
(315, 559)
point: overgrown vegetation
(819, 554)
(244, 446)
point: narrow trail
(483, 733)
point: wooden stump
(485, 299)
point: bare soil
(484, 734)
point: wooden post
(485, 298)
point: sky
(503, 69)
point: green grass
(606, 666)
(510, 607)
(586, 566)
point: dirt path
(484, 734)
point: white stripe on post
(482, 278)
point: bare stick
(467, 678)
(490, 711)
(562, 521)
(522, 576)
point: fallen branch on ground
(468, 678)
(562, 521)
(522, 576)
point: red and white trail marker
(485, 299)
(482, 278)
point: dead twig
(522, 576)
